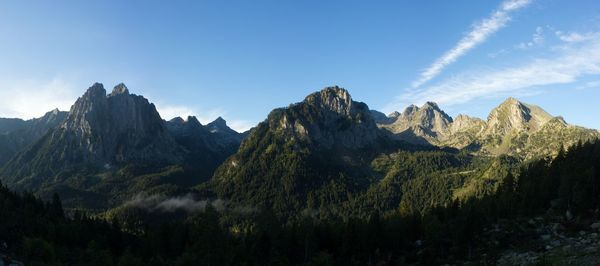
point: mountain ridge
(510, 128)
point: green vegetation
(40, 234)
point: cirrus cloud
(479, 34)
(571, 61)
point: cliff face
(113, 129)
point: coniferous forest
(564, 188)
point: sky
(241, 59)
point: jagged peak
(219, 122)
(410, 110)
(337, 91)
(96, 90)
(177, 120)
(394, 114)
(332, 98)
(192, 119)
(510, 101)
(432, 105)
(119, 89)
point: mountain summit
(420, 125)
(515, 115)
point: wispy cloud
(478, 34)
(33, 98)
(573, 36)
(536, 39)
(571, 60)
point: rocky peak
(119, 89)
(431, 105)
(513, 115)
(218, 123)
(327, 118)
(428, 119)
(109, 128)
(410, 110)
(95, 91)
(334, 98)
(464, 122)
(177, 120)
(193, 120)
(394, 114)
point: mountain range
(110, 146)
(327, 150)
(514, 128)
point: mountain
(111, 146)
(8, 125)
(419, 125)
(311, 153)
(16, 134)
(205, 147)
(514, 128)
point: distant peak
(332, 98)
(119, 89)
(431, 105)
(177, 120)
(394, 114)
(219, 122)
(335, 91)
(193, 119)
(511, 100)
(410, 109)
(96, 90)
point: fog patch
(187, 203)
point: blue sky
(241, 59)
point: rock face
(420, 125)
(513, 127)
(115, 129)
(327, 119)
(328, 140)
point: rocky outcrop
(328, 118)
(419, 125)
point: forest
(42, 233)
